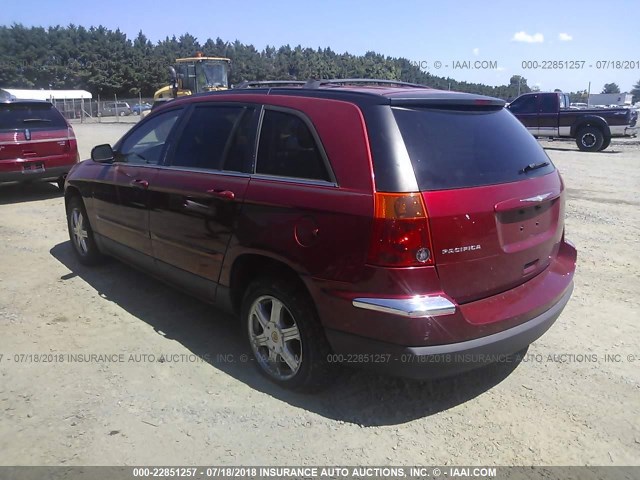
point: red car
(416, 231)
(36, 142)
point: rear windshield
(30, 115)
(452, 148)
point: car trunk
(493, 199)
(34, 144)
(490, 239)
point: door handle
(225, 194)
(143, 184)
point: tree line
(105, 62)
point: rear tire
(589, 139)
(285, 335)
(60, 183)
(81, 234)
(605, 144)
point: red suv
(36, 142)
(417, 231)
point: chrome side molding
(419, 306)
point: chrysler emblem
(537, 198)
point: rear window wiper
(30, 120)
(533, 166)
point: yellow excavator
(195, 75)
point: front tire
(285, 335)
(81, 234)
(589, 139)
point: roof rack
(315, 84)
(271, 83)
(374, 81)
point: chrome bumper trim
(415, 307)
(623, 130)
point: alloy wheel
(79, 231)
(275, 337)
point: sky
(594, 42)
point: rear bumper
(442, 360)
(52, 173)
(623, 131)
(406, 308)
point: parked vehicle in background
(36, 142)
(548, 114)
(390, 226)
(611, 99)
(110, 109)
(138, 108)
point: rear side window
(468, 148)
(215, 138)
(30, 115)
(287, 148)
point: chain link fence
(107, 110)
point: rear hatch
(493, 197)
(33, 130)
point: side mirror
(102, 153)
(173, 81)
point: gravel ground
(571, 402)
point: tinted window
(453, 149)
(30, 115)
(548, 103)
(528, 104)
(215, 138)
(564, 101)
(146, 143)
(287, 148)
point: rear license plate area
(30, 168)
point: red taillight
(400, 236)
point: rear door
(196, 198)
(493, 198)
(309, 201)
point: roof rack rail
(270, 83)
(338, 81)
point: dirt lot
(565, 405)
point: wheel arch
(590, 121)
(249, 266)
(71, 192)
